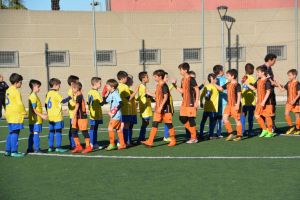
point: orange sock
(298, 123)
(239, 129)
(153, 134)
(269, 124)
(111, 138)
(87, 142)
(288, 119)
(192, 130)
(77, 141)
(261, 123)
(172, 134)
(228, 127)
(121, 138)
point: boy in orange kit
(163, 109)
(233, 108)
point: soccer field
(255, 168)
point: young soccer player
(190, 102)
(264, 103)
(80, 121)
(53, 105)
(35, 117)
(94, 105)
(14, 113)
(145, 108)
(211, 96)
(221, 81)
(248, 99)
(233, 108)
(115, 115)
(163, 109)
(71, 106)
(292, 105)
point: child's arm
(251, 87)
(281, 88)
(238, 103)
(45, 117)
(66, 100)
(202, 97)
(132, 96)
(298, 95)
(179, 89)
(263, 103)
(196, 88)
(220, 88)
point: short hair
(249, 68)
(15, 78)
(78, 85)
(72, 79)
(211, 75)
(192, 73)
(233, 72)
(121, 75)
(161, 73)
(217, 69)
(262, 69)
(34, 82)
(270, 56)
(142, 75)
(54, 81)
(184, 66)
(95, 80)
(293, 71)
(112, 83)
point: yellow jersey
(95, 109)
(54, 106)
(249, 96)
(144, 102)
(124, 92)
(133, 105)
(34, 103)
(15, 109)
(212, 98)
(71, 103)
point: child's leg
(166, 131)
(297, 115)
(8, 142)
(239, 128)
(86, 138)
(36, 141)
(187, 134)
(92, 134)
(269, 124)
(71, 139)
(126, 132)
(58, 137)
(121, 138)
(250, 120)
(202, 123)
(111, 135)
(95, 134)
(190, 124)
(227, 124)
(51, 138)
(14, 141)
(30, 142)
(145, 123)
(75, 136)
(153, 133)
(219, 124)
(243, 118)
(212, 124)
(172, 134)
(288, 118)
(130, 133)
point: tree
(12, 4)
(55, 5)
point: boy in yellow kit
(71, 106)
(53, 104)
(14, 113)
(35, 117)
(94, 105)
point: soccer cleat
(60, 150)
(29, 151)
(147, 143)
(237, 139)
(87, 150)
(96, 146)
(167, 139)
(230, 137)
(121, 147)
(291, 130)
(77, 149)
(263, 133)
(37, 151)
(270, 135)
(51, 150)
(192, 141)
(7, 153)
(220, 136)
(17, 155)
(111, 147)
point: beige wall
(28, 31)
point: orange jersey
(162, 89)
(82, 112)
(189, 95)
(232, 92)
(292, 87)
(262, 86)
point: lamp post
(222, 10)
(94, 4)
(228, 22)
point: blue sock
(95, 135)
(51, 139)
(126, 133)
(58, 138)
(130, 131)
(8, 143)
(187, 133)
(36, 141)
(71, 140)
(243, 121)
(30, 142)
(250, 120)
(202, 124)
(212, 124)
(14, 141)
(219, 127)
(142, 133)
(166, 131)
(91, 134)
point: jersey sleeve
(193, 83)
(286, 86)
(268, 85)
(79, 99)
(33, 101)
(255, 84)
(298, 87)
(224, 86)
(238, 88)
(165, 89)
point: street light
(229, 22)
(94, 4)
(222, 10)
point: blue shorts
(56, 125)
(35, 128)
(14, 127)
(95, 122)
(133, 119)
(126, 118)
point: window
(9, 59)
(58, 58)
(150, 56)
(279, 51)
(192, 55)
(240, 53)
(106, 57)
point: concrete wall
(28, 31)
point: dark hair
(263, 69)
(78, 85)
(161, 73)
(121, 75)
(15, 78)
(112, 83)
(211, 75)
(217, 69)
(95, 80)
(293, 71)
(34, 82)
(192, 73)
(54, 81)
(270, 56)
(142, 75)
(72, 79)
(184, 66)
(233, 72)
(249, 68)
